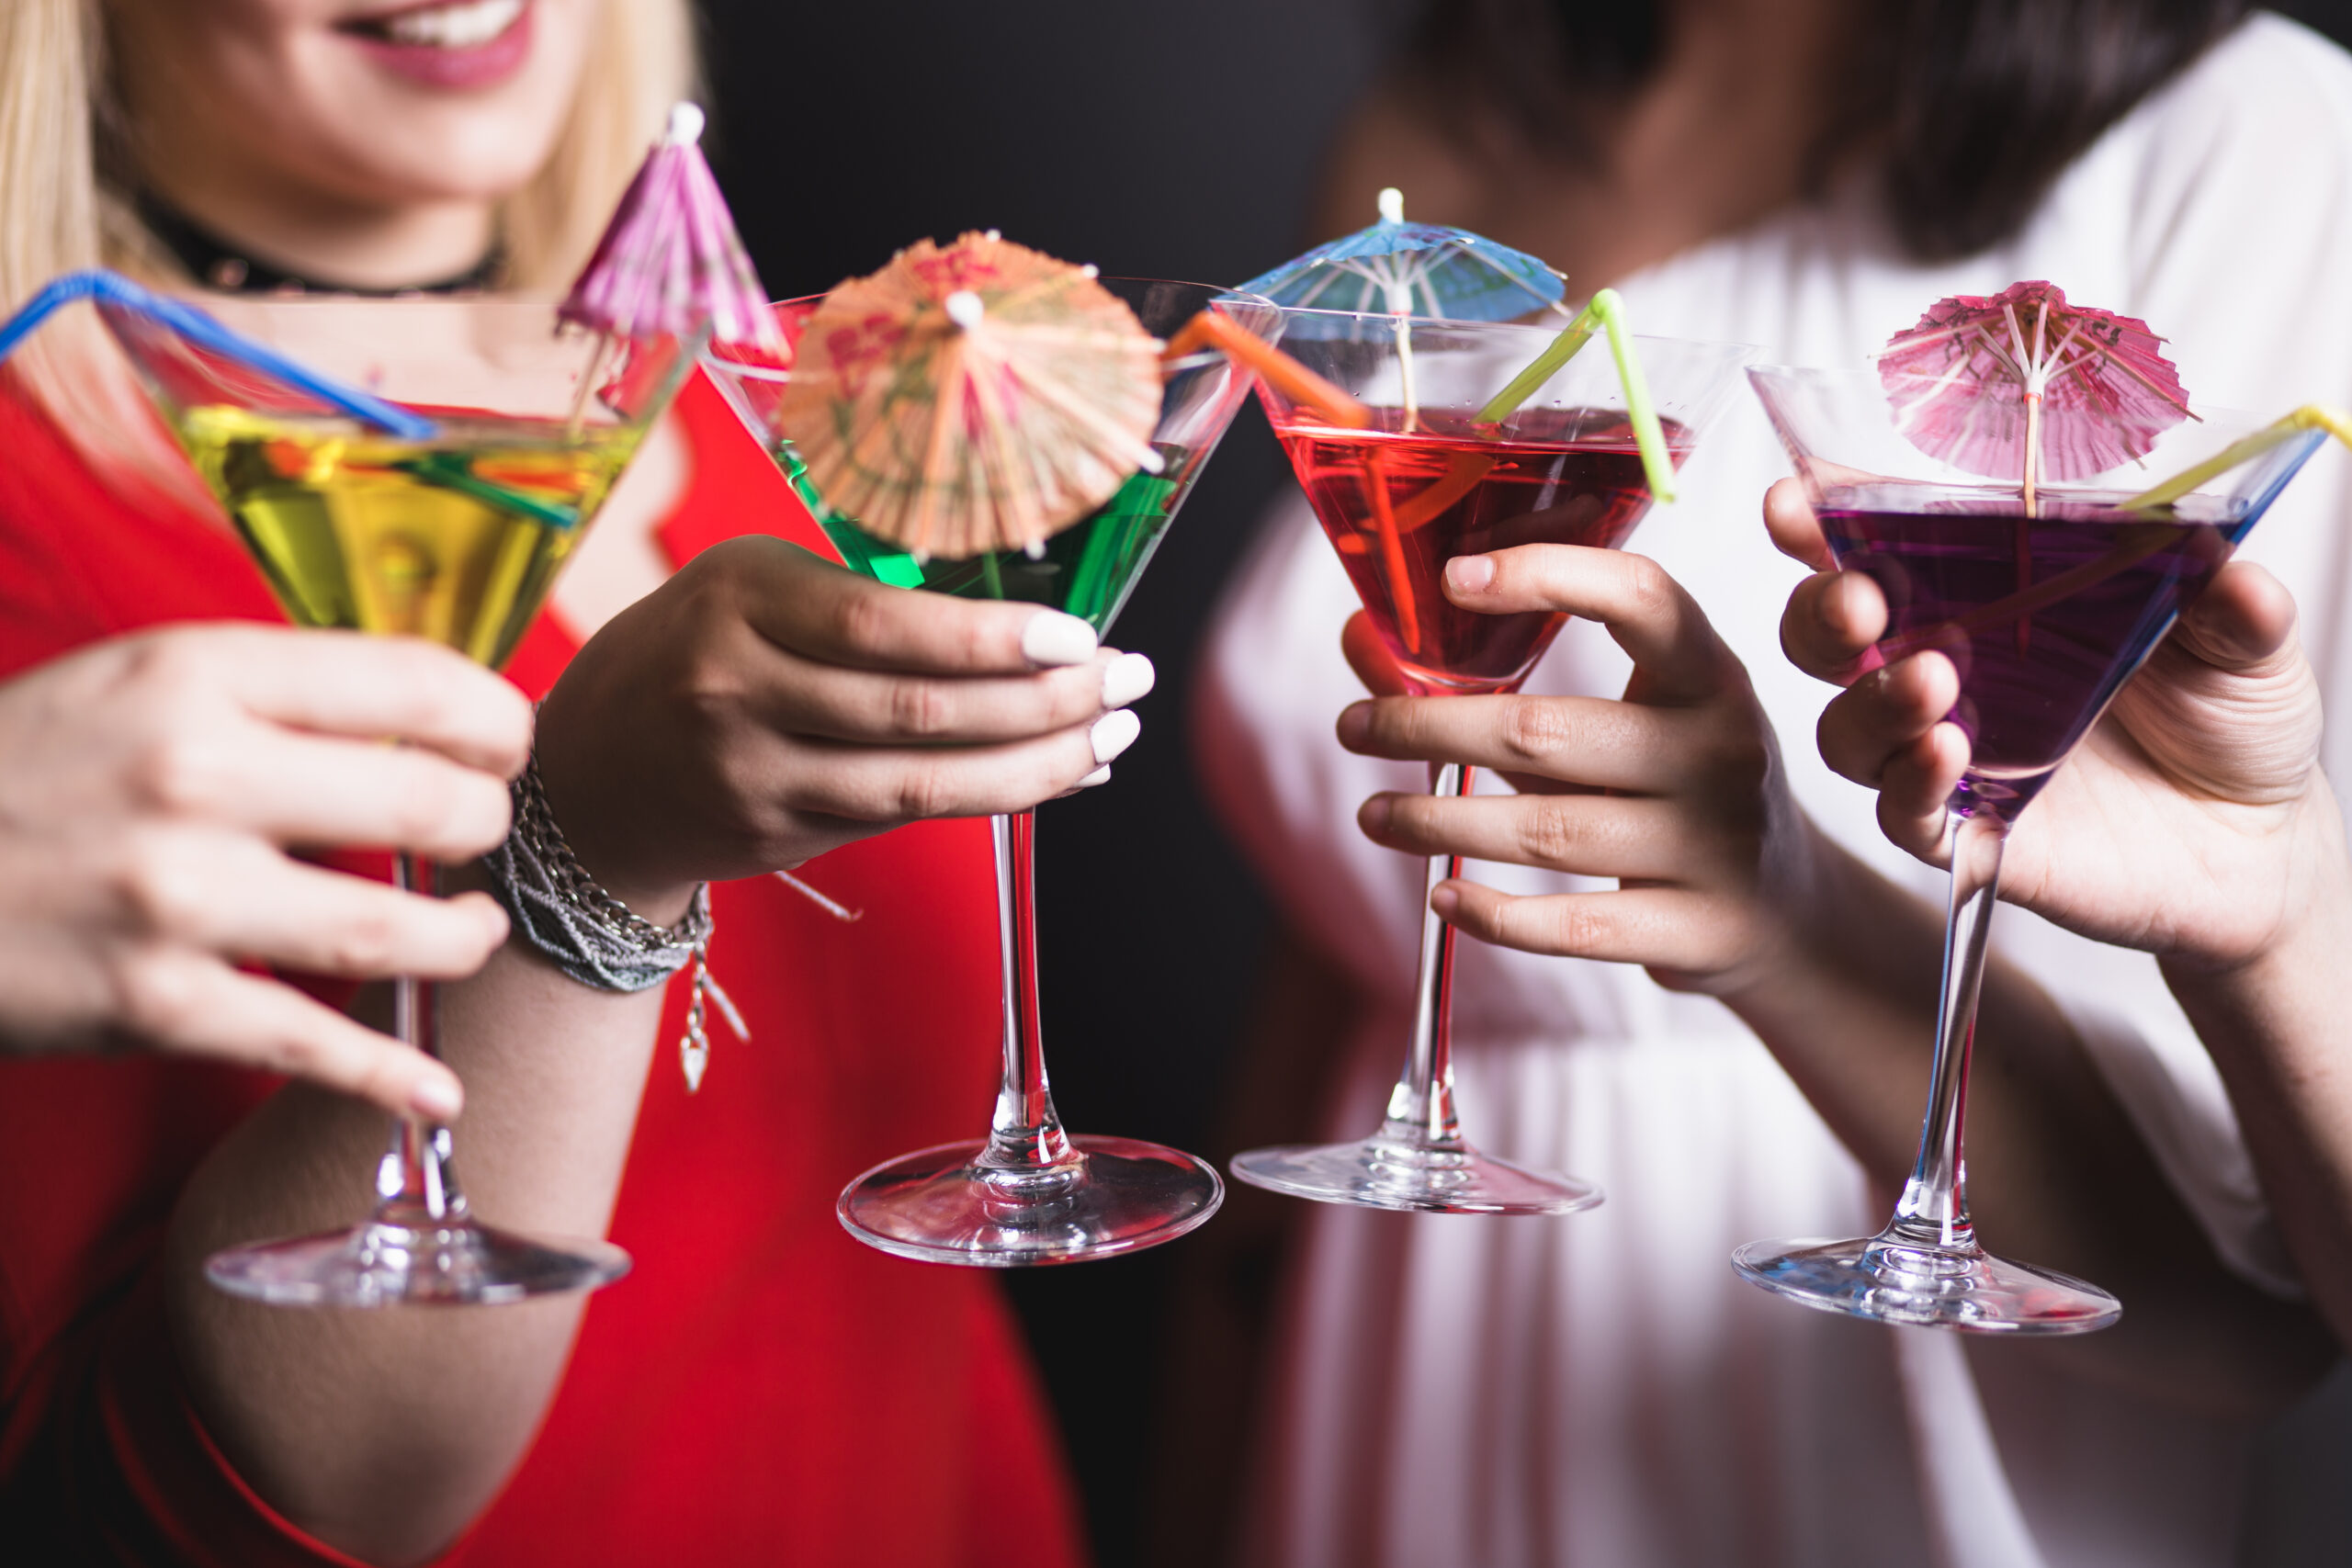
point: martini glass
(2046, 611)
(1430, 480)
(457, 537)
(1030, 1192)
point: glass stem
(1934, 1210)
(1420, 1107)
(1027, 1147)
(414, 1183)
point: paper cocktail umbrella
(670, 261)
(2023, 383)
(1413, 269)
(1408, 269)
(971, 397)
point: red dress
(762, 1389)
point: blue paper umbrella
(1415, 269)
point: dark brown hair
(1972, 107)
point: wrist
(602, 825)
(2313, 915)
(1805, 892)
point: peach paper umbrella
(971, 397)
(2023, 383)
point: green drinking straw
(1608, 310)
(2311, 416)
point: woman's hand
(766, 706)
(150, 789)
(1676, 790)
(2192, 822)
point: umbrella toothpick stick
(1606, 311)
(2302, 421)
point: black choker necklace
(216, 263)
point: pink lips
(484, 65)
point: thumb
(1788, 517)
(2243, 620)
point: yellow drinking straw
(1607, 310)
(2311, 416)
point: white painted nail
(1125, 678)
(1052, 638)
(1114, 733)
(1101, 776)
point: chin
(480, 156)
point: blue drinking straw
(113, 288)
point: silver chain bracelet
(592, 936)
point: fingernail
(1114, 733)
(436, 1099)
(1469, 574)
(1444, 900)
(1374, 816)
(1101, 776)
(1125, 678)
(1355, 723)
(1052, 638)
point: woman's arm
(2195, 823)
(1678, 792)
(760, 708)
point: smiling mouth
(470, 24)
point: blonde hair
(63, 207)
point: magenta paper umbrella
(670, 261)
(2024, 383)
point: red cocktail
(1480, 437)
(1397, 506)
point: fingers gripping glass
(1482, 437)
(2048, 599)
(1030, 1193)
(449, 518)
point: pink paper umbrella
(2024, 383)
(671, 260)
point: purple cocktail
(2044, 618)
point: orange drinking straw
(1461, 476)
(1286, 375)
(1392, 555)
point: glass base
(1891, 1280)
(939, 1206)
(386, 1263)
(1382, 1173)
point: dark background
(1170, 141)
(1166, 139)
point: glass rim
(545, 299)
(1859, 374)
(711, 349)
(1546, 334)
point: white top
(1601, 1390)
